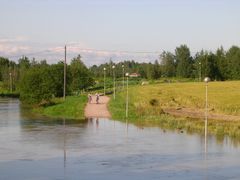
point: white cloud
(9, 50)
(14, 48)
(13, 40)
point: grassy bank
(71, 108)
(6, 93)
(146, 104)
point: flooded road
(40, 148)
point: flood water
(40, 148)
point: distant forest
(220, 65)
(37, 80)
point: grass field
(71, 108)
(146, 104)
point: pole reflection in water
(127, 126)
(64, 143)
(206, 80)
(97, 123)
(34, 148)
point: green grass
(146, 103)
(6, 93)
(71, 108)
(224, 97)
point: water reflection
(95, 148)
(64, 144)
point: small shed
(134, 75)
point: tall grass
(224, 97)
(146, 103)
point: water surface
(41, 148)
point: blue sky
(29, 26)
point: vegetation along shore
(149, 105)
(174, 105)
(71, 108)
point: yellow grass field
(148, 104)
(223, 97)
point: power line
(119, 51)
(35, 53)
(87, 50)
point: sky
(100, 30)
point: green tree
(80, 75)
(4, 64)
(168, 64)
(37, 85)
(222, 64)
(24, 64)
(156, 71)
(233, 58)
(184, 61)
(57, 74)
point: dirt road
(98, 110)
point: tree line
(219, 65)
(38, 82)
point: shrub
(154, 102)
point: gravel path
(97, 110)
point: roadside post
(104, 69)
(127, 75)
(206, 80)
(114, 83)
(123, 71)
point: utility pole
(123, 73)
(104, 69)
(200, 72)
(114, 83)
(11, 83)
(64, 83)
(206, 80)
(127, 75)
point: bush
(154, 102)
(37, 85)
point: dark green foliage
(57, 76)
(80, 75)
(183, 61)
(146, 70)
(8, 69)
(221, 65)
(156, 72)
(40, 82)
(233, 58)
(37, 84)
(37, 81)
(24, 65)
(154, 102)
(168, 65)
(4, 64)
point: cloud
(14, 48)
(9, 50)
(13, 40)
(97, 56)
